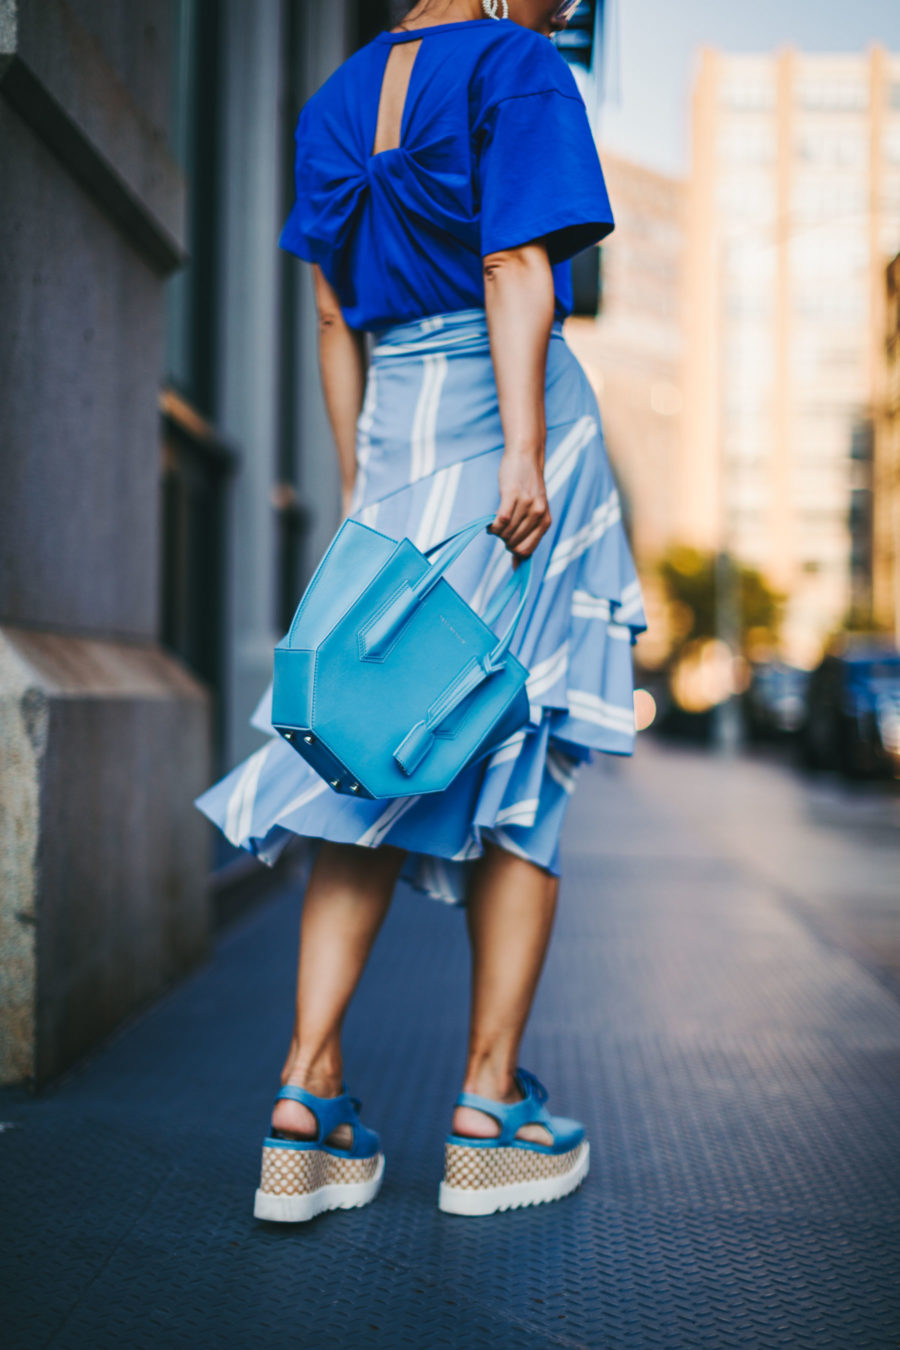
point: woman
(445, 175)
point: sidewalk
(737, 1063)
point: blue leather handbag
(387, 682)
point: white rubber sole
(338, 1195)
(490, 1199)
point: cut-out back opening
(392, 96)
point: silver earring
(490, 9)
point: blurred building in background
(633, 351)
(793, 213)
(886, 469)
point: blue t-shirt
(496, 150)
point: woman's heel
(300, 1178)
(482, 1176)
(480, 1180)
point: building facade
(103, 733)
(633, 351)
(793, 212)
(886, 470)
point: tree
(689, 578)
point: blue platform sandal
(482, 1176)
(302, 1177)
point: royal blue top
(496, 150)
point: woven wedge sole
(299, 1183)
(484, 1180)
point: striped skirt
(429, 445)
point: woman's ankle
(318, 1083)
(321, 1074)
(493, 1079)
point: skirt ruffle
(429, 444)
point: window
(820, 198)
(832, 93)
(830, 252)
(891, 143)
(752, 92)
(750, 196)
(845, 302)
(747, 143)
(823, 146)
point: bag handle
(450, 550)
(500, 599)
(420, 738)
(517, 580)
(380, 632)
(469, 531)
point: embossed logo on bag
(454, 631)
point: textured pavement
(720, 1006)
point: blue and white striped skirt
(429, 445)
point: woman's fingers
(527, 547)
(536, 522)
(518, 516)
(530, 542)
(516, 523)
(523, 515)
(524, 540)
(521, 524)
(510, 514)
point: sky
(652, 47)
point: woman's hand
(519, 303)
(523, 516)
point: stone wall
(104, 737)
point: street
(721, 1006)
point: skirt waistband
(454, 330)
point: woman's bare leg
(510, 909)
(347, 897)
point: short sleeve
(294, 237)
(328, 184)
(539, 174)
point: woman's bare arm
(342, 365)
(519, 303)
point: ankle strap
(328, 1111)
(510, 1116)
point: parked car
(774, 702)
(853, 710)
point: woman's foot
(483, 1174)
(293, 1120)
(469, 1121)
(298, 1180)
